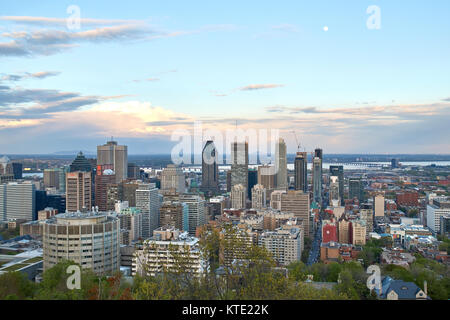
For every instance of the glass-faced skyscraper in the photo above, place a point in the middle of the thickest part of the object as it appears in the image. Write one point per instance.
(210, 169)
(239, 164)
(338, 171)
(301, 171)
(317, 175)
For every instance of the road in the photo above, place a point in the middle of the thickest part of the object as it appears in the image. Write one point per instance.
(314, 254)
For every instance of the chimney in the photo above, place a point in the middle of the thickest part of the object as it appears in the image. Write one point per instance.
(425, 287)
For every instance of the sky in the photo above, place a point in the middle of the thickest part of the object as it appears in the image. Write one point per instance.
(351, 76)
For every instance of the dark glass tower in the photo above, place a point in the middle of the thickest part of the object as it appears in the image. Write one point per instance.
(210, 169)
(338, 171)
(80, 164)
(301, 171)
(317, 175)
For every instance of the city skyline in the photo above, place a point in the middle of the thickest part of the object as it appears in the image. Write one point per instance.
(139, 72)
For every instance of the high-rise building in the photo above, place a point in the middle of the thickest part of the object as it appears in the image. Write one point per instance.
(317, 176)
(17, 201)
(78, 191)
(51, 178)
(104, 176)
(301, 171)
(329, 232)
(359, 233)
(285, 245)
(239, 165)
(81, 164)
(252, 181)
(147, 200)
(439, 207)
(275, 199)
(172, 213)
(258, 197)
(345, 231)
(281, 164)
(130, 225)
(379, 205)
(238, 196)
(134, 172)
(17, 170)
(297, 203)
(74, 236)
(172, 177)
(338, 171)
(210, 168)
(267, 177)
(117, 155)
(366, 215)
(356, 189)
(334, 192)
(197, 214)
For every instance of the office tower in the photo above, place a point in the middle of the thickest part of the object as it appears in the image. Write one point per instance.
(155, 254)
(217, 204)
(275, 199)
(117, 155)
(366, 215)
(301, 172)
(62, 178)
(439, 207)
(445, 225)
(172, 177)
(281, 164)
(258, 197)
(239, 165)
(379, 205)
(334, 192)
(17, 201)
(285, 245)
(81, 164)
(78, 191)
(356, 189)
(338, 171)
(17, 170)
(130, 225)
(228, 180)
(171, 214)
(297, 203)
(252, 181)
(210, 169)
(133, 171)
(359, 233)
(238, 196)
(104, 176)
(57, 201)
(317, 176)
(345, 231)
(6, 170)
(51, 178)
(267, 176)
(394, 163)
(40, 202)
(147, 200)
(74, 236)
(197, 214)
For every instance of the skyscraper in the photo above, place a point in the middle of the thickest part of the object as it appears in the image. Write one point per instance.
(356, 189)
(297, 203)
(196, 212)
(238, 196)
(80, 164)
(78, 191)
(17, 201)
(301, 171)
(281, 164)
(334, 193)
(338, 171)
(252, 181)
(317, 175)
(172, 177)
(210, 168)
(51, 178)
(104, 176)
(147, 200)
(239, 164)
(258, 197)
(117, 155)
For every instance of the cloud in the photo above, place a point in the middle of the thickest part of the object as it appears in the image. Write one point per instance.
(446, 99)
(47, 21)
(27, 75)
(286, 27)
(252, 87)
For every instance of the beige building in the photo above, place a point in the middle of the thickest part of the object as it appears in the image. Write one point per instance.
(281, 164)
(89, 239)
(171, 214)
(172, 177)
(130, 225)
(47, 213)
(117, 155)
(78, 191)
(359, 233)
(297, 203)
(238, 196)
(379, 205)
(275, 199)
(344, 231)
(258, 196)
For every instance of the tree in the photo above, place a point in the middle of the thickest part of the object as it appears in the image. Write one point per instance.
(15, 286)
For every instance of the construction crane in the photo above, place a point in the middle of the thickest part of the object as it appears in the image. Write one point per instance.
(298, 144)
